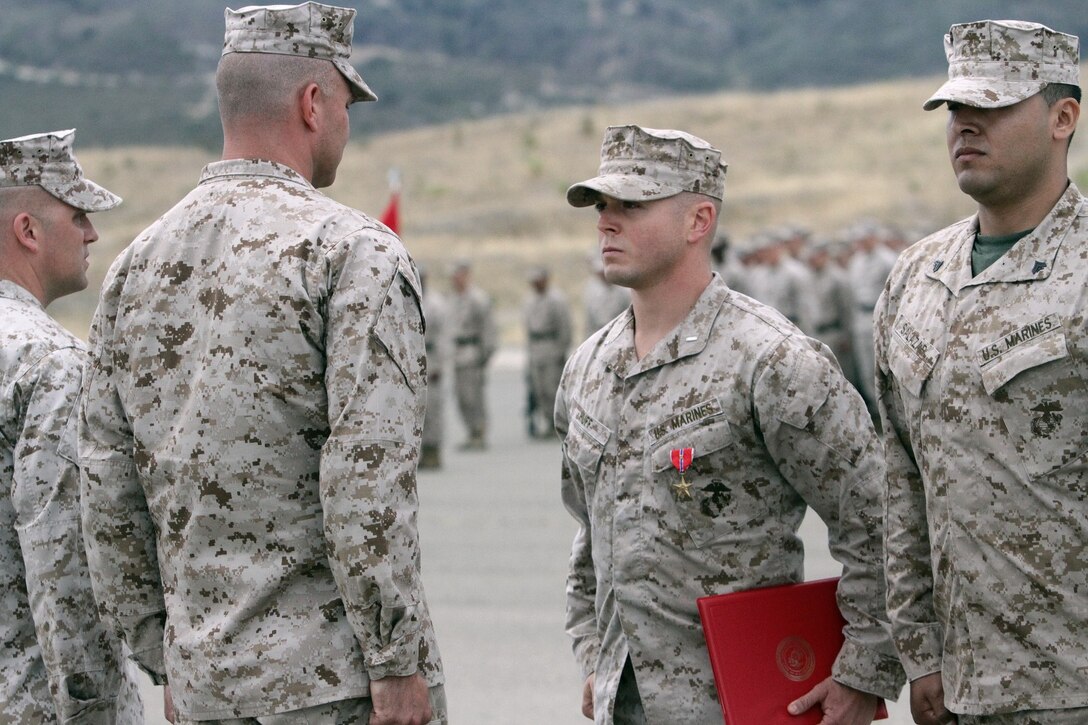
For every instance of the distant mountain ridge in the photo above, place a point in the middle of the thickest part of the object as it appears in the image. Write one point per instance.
(139, 71)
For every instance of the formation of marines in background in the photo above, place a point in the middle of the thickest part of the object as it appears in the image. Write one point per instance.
(220, 487)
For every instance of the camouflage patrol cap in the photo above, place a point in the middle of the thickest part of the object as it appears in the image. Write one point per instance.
(46, 160)
(310, 30)
(996, 63)
(643, 164)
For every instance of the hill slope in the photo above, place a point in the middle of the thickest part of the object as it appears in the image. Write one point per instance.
(493, 190)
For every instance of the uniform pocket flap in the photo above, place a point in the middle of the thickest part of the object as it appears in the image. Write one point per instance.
(1000, 369)
(909, 369)
(706, 438)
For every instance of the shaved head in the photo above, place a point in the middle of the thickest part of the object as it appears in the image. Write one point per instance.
(266, 85)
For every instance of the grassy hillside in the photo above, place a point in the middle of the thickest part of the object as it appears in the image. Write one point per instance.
(492, 190)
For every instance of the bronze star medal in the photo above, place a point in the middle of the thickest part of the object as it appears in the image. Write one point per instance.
(681, 461)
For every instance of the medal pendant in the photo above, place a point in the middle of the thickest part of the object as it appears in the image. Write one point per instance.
(682, 489)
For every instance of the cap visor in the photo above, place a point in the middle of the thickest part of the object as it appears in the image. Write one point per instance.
(622, 187)
(360, 91)
(983, 93)
(84, 194)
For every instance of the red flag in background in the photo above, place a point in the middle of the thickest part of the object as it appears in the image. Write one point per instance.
(391, 216)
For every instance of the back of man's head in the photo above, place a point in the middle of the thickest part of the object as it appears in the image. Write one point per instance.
(271, 52)
(265, 87)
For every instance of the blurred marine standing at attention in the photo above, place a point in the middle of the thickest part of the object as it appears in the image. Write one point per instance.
(548, 329)
(982, 371)
(474, 335)
(58, 663)
(252, 415)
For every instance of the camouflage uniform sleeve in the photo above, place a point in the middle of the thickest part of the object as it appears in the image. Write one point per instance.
(376, 385)
(118, 531)
(818, 431)
(581, 621)
(907, 555)
(84, 675)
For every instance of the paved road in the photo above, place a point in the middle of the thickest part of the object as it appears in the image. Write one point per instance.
(495, 540)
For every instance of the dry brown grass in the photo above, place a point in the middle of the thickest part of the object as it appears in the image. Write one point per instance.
(492, 190)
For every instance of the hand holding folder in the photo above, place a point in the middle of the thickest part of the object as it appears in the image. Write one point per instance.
(770, 646)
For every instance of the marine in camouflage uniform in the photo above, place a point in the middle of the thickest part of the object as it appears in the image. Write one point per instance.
(983, 380)
(548, 329)
(58, 662)
(436, 314)
(772, 426)
(472, 328)
(252, 413)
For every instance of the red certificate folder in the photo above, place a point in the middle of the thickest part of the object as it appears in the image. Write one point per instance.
(769, 646)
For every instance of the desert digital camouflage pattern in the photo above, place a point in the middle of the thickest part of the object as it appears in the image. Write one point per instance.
(995, 63)
(58, 663)
(310, 30)
(47, 160)
(250, 430)
(642, 164)
(774, 427)
(983, 386)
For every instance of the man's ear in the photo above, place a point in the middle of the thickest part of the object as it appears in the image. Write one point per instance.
(309, 106)
(28, 231)
(702, 218)
(1066, 115)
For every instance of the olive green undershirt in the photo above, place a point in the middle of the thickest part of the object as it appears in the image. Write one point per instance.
(988, 250)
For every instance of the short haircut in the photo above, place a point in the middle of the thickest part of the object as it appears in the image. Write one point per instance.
(1054, 92)
(265, 85)
(17, 199)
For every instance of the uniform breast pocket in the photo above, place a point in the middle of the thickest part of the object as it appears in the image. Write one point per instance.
(1040, 390)
(584, 447)
(712, 501)
(909, 368)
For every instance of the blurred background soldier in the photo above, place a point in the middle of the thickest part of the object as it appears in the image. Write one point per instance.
(251, 418)
(601, 299)
(435, 313)
(548, 331)
(869, 268)
(776, 278)
(472, 328)
(58, 663)
(825, 304)
(726, 262)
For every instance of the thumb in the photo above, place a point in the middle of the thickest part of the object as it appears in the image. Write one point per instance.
(808, 700)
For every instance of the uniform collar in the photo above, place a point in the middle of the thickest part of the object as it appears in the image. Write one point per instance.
(688, 338)
(13, 291)
(1029, 260)
(252, 167)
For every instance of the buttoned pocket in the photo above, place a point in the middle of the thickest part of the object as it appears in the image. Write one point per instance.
(909, 367)
(716, 504)
(584, 446)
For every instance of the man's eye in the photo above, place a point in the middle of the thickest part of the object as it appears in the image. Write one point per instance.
(631, 205)
(599, 206)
